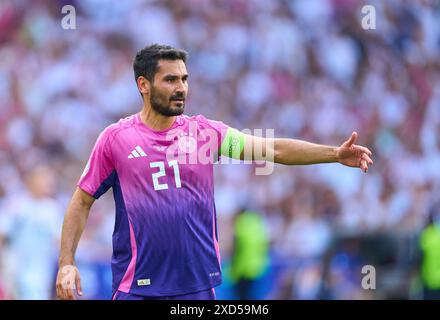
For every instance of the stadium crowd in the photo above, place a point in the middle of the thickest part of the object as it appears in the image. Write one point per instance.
(306, 69)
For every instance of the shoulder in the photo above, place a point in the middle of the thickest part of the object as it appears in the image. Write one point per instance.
(204, 122)
(114, 129)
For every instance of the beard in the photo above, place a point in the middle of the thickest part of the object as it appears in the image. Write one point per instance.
(163, 105)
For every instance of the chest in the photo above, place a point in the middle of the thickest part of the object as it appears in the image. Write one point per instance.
(163, 164)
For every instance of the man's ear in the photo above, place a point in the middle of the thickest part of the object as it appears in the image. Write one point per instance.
(144, 85)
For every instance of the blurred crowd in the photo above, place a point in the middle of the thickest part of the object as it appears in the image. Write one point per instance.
(306, 69)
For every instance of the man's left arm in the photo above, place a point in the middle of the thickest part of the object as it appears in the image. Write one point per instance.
(294, 152)
(298, 152)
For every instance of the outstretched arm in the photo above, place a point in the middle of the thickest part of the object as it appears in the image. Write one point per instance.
(73, 227)
(295, 152)
(290, 152)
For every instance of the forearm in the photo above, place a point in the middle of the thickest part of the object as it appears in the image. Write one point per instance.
(298, 152)
(74, 223)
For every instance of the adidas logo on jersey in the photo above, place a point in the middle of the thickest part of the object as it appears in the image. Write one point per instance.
(136, 153)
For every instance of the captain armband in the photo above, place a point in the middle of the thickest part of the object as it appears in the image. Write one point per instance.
(233, 144)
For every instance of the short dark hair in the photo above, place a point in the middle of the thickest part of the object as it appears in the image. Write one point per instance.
(145, 62)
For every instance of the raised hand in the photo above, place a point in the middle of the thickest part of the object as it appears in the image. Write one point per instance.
(352, 155)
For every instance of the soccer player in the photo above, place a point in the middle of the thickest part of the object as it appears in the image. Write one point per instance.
(165, 243)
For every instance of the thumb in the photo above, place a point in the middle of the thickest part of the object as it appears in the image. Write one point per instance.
(78, 284)
(351, 140)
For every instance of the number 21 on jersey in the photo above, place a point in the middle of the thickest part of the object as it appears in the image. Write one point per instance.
(161, 173)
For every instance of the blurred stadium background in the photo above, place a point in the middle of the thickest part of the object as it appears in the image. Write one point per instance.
(304, 68)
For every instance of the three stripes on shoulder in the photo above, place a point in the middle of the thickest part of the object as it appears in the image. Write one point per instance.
(136, 153)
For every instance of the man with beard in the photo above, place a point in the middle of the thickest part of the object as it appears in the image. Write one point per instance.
(165, 243)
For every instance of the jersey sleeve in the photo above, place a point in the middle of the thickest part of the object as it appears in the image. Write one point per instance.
(99, 173)
(230, 140)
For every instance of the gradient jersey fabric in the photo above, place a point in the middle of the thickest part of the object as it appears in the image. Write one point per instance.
(165, 236)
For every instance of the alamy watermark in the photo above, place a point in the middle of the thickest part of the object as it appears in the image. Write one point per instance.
(68, 22)
(369, 279)
(202, 146)
(368, 21)
(69, 273)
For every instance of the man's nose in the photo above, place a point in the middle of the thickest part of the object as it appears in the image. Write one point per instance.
(180, 87)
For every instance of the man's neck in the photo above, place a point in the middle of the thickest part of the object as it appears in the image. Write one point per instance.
(155, 120)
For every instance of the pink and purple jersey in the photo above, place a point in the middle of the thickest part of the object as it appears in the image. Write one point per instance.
(165, 236)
